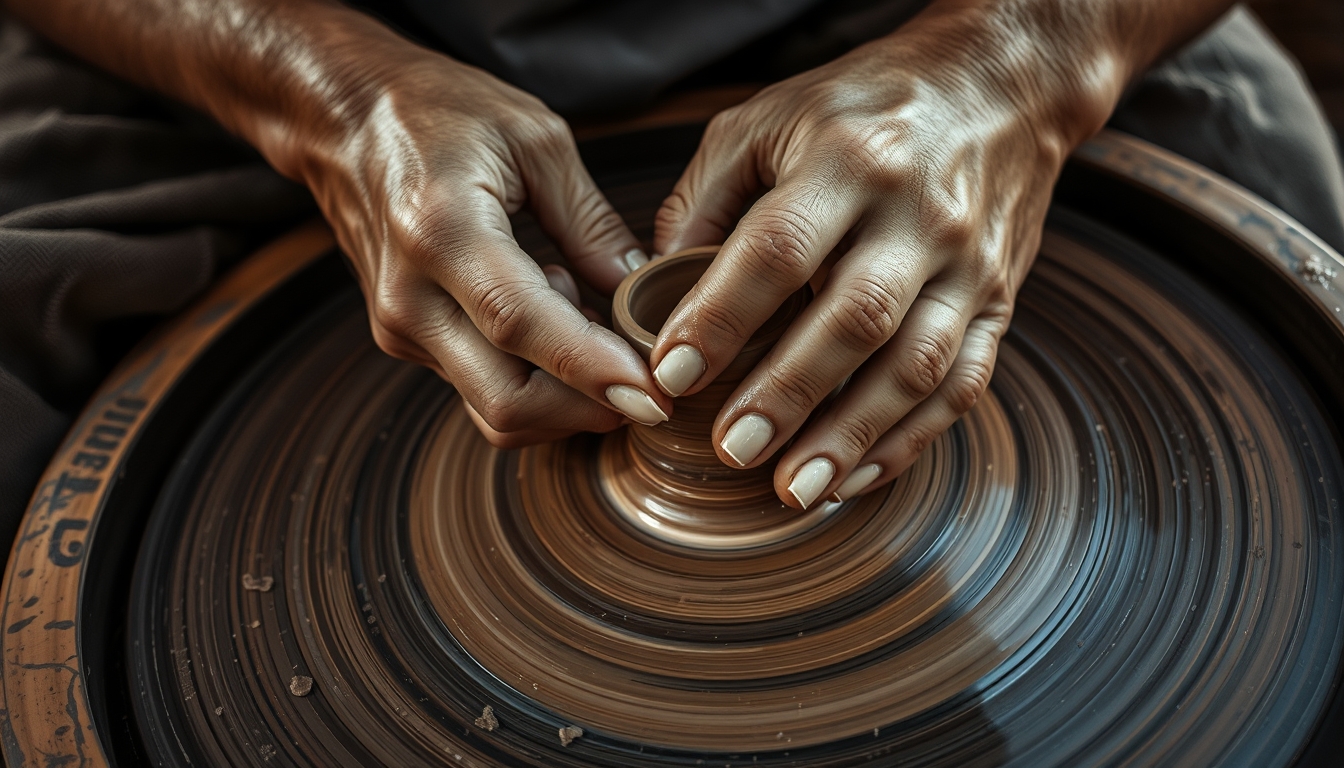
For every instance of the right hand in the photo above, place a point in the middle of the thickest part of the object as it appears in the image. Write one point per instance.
(419, 189)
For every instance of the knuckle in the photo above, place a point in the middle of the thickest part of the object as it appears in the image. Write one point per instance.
(780, 244)
(545, 130)
(723, 123)
(998, 295)
(858, 433)
(950, 226)
(916, 438)
(675, 209)
(926, 362)
(392, 311)
(501, 407)
(965, 387)
(798, 390)
(719, 322)
(501, 313)
(568, 358)
(875, 151)
(421, 240)
(865, 314)
(598, 222)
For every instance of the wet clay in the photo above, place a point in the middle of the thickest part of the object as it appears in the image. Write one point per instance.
(667, 481)
(1116, 545)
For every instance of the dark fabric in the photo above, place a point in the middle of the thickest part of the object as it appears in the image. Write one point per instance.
(1235, 101)
(115, 206)
(581, 56)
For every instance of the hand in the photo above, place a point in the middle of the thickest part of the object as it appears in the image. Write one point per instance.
(419, 192)
(917, 170)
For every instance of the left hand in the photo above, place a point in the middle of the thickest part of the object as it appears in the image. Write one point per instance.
(918, 169)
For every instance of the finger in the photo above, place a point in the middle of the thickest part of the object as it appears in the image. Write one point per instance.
(711, 191)
(906, 372)
(506, 392)
(562, 282)
(509, 440)
(968, 379)
(509, 300)
(772, 253)
(856, 313)
(574, 212)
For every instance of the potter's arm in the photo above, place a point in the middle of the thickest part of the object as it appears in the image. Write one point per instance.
(417, 161)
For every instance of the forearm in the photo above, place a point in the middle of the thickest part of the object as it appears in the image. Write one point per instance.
(276, 73)
(1070, 58)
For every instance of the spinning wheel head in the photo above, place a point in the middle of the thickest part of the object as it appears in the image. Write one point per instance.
(1127, 552)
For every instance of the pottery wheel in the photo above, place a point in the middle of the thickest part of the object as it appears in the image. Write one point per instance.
(1127, 553)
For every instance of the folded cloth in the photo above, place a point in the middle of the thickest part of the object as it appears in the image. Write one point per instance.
(116, 207)
(1236, 102)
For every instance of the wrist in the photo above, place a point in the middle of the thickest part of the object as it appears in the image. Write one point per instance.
(1052, 63)
(310, 87)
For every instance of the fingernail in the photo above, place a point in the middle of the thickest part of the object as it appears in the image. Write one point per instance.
(859, 479)
(634, 259)
(811, 479)
(635, 403)
(679, 369)
(747, 437)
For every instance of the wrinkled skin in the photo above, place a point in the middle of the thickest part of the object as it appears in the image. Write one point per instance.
(908, 180)
(926, 178)
(420, 200)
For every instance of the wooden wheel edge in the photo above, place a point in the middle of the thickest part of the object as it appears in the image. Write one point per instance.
(44, 707)
(1306, 260)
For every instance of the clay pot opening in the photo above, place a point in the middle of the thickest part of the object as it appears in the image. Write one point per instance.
(646, 299)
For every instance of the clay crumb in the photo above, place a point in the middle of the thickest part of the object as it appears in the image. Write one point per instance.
(569, 733)
(301, 685)
(219, 710)
(255, 623)
(487, 720)
(253, 584)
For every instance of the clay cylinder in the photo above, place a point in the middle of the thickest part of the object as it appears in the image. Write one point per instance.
(667, 479)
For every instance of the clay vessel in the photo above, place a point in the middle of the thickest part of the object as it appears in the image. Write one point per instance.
(667, 480)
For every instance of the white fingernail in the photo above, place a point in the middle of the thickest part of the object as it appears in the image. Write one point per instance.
(811, 479)
(747, 437)
(679, 369)
(634, 259)
(635, 403)
(859, 479)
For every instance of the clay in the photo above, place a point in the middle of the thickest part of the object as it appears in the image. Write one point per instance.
(569, 733)
(254, 584)
(487, 720)
(1097, 565)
